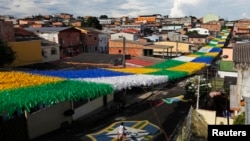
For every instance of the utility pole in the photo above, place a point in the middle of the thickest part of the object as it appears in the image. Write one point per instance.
(198, 93)
(124, 53)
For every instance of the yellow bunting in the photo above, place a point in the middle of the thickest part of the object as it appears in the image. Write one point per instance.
(17, 79)
(190, 67)
(136, 70)
(213, 54)
(193, 55)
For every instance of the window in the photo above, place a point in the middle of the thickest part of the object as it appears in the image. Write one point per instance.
(44, 54)
(95, 38)
(53, 51)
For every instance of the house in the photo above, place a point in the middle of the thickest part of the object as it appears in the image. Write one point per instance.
(90, 39)
(67, 37)
(214, 27)
(186, 21)
(198, 39)
(178, 48)
(108, 21)
(241, 61)
(50, 50)
(210, 17)
(172, 27)
(201, 31)
(242, 28)
(128, 36)
(137, 48)
(154, 38)
(149, 19)
(6, 31)
(27, 52)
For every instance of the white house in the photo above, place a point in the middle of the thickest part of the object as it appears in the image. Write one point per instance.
(50, 51)
(201, 31)
(102, 42)
(128, 36)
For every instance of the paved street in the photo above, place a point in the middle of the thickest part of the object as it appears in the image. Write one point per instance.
(151, 108)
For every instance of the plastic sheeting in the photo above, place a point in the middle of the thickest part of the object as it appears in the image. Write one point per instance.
(184, 58)
(127, 82)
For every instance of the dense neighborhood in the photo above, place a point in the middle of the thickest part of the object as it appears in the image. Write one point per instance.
(64, 68)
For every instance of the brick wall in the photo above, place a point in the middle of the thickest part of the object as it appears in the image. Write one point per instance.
(7, 31)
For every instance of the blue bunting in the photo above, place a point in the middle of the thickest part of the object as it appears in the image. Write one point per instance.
(89, 73)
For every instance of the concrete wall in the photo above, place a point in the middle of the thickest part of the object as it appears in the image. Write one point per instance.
(90, 107)
(47, 120)
(48, 57)
(133, 49)
(27, 52)
(177, 46)
(229, 53)
(209, 116)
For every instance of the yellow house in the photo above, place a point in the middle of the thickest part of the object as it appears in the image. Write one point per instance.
(27, 52)
(178, 47)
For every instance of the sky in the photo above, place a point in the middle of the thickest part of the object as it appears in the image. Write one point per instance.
(227, 9)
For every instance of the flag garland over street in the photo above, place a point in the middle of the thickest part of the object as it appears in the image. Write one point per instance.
(23, 90)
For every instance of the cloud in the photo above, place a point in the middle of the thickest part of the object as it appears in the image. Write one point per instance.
(132, 8)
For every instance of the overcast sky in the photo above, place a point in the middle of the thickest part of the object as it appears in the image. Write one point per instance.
(227, 9)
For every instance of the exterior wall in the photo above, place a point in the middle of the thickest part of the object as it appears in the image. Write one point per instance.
(90, 107)
(47, 56)
(197, 40)
(247, 114)
(70, 37)
(133, 49)
(212, 26)
(52, 36)
(171, 27)
(128, 36)
(222, 74)
(210, 17)
(177, 46)
(28, 52)
(149, 19)
(241, 27)
(106, 21)
(103, 43)
(208, 115)
(223, 121)
(78, 24)
(245, 91)
(21, 22)
(229, 53)
(201, 31)
(47, 120)
(7, 31)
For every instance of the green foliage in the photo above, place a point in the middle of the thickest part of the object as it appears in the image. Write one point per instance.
(103, 17)
(192, 33)
(192, 84)
(7, 55)
(240, 119)
(91, 22)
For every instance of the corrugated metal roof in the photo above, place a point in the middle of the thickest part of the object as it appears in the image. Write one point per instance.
(241, 53)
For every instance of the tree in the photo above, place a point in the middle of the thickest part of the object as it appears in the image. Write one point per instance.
(190, 33)
(197, 85)
(92, 22)
(103, 17)
(240, 119)
(7, 55)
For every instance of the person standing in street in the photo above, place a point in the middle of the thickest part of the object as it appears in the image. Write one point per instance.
(121, 132)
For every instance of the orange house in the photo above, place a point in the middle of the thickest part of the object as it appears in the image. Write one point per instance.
(147, 18)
